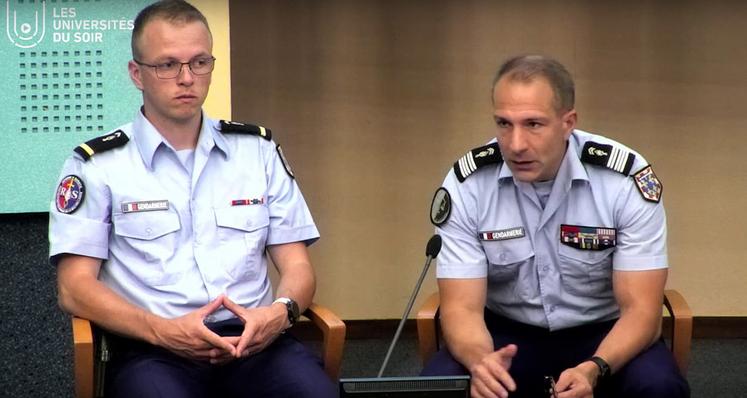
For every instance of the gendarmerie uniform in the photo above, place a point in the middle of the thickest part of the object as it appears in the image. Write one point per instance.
(176, 229)
(548, 249)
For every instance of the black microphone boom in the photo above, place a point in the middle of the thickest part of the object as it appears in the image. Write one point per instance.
(431, 251)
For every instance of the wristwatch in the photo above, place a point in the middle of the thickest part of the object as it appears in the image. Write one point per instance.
(292, 307)
(604, 367)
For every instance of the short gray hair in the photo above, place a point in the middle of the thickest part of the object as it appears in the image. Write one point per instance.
(525, 68)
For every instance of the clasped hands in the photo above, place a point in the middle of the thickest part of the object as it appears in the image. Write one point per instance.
(187, 336)
(490, 377)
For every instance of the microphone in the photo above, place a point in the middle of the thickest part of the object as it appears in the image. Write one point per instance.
(431, 251)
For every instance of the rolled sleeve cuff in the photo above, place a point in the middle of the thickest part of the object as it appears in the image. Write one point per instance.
(640, 263)
(307, 234)
(75, 235)
(461, 271)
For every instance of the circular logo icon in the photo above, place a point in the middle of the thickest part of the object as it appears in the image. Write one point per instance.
(441, 206)
(70, 194)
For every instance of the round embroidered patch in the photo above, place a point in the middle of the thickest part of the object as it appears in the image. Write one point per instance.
(70, 194)
(440, 207)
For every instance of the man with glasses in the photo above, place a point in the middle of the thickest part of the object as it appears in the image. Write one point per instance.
(554, 255)
(159, 230)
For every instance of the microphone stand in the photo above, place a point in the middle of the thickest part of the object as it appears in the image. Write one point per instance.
(432, 249)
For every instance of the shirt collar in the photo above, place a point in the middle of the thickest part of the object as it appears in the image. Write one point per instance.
(570, 169)
(148, 139)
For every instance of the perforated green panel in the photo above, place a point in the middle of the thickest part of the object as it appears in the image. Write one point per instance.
(64, 81)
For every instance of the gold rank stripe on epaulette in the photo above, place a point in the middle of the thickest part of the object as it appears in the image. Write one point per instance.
(101, 144)
(476, 158)
(227, 126)
(609, 156)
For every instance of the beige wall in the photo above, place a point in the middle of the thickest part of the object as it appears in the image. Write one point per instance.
(218, 103)
(374, 100)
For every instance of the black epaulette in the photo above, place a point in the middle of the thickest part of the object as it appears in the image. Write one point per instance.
(101, 144)
(610, 156)
(227, 126)
(476, 158)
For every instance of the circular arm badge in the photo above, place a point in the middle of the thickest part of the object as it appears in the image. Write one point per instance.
(70, 194)
(440, 207)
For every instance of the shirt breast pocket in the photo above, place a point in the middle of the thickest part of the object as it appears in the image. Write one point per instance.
(506, 258)
(585, 272)
(152, 236)
(242, 233)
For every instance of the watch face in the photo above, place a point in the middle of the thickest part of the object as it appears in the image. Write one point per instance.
(293, 311)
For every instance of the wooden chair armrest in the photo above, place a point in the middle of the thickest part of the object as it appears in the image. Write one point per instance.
(83, 357)
(682, 327)
(333, 337)
(427, 326)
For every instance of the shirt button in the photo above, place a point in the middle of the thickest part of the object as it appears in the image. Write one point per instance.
(502, 256)
(552, 308)
(545, 268)
(148, 231)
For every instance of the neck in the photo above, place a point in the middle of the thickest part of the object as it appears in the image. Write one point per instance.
(181, 134)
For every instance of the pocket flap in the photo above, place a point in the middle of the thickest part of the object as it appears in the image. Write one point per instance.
(582, 255)
(244, 218)
(147, 225)
(508, 251)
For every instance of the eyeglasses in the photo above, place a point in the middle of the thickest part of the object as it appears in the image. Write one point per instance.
(172, 69)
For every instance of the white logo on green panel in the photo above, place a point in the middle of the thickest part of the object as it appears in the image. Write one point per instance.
(21, 32)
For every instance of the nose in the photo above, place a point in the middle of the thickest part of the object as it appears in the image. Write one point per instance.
(515, 141)
(185, 75)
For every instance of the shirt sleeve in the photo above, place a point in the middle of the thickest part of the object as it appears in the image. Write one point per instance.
(462, 255)
(85, 230)
(641, 232)
(290, 218)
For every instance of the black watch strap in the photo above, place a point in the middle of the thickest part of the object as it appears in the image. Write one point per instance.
(292, 307)
(604, 367)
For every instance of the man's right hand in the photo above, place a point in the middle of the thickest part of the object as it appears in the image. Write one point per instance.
(188, 337)
(490, 376)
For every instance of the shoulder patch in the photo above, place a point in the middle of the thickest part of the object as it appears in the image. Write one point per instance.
(609, 156)
(440, 207)
(648, 184)
(70, 194)
(227, 126)
(101, 144)
(285, 163)
(476, 158)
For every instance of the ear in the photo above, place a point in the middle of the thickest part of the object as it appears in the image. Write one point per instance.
(569, 122)
(134, 69)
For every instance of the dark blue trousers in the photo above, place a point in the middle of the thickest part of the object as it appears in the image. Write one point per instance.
(653, 373)
(286, 368)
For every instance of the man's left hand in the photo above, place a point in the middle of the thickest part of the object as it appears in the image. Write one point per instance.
(262, 325)
(578, 382)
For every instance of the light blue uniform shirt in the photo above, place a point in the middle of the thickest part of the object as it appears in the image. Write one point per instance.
(196, 245)
(534, 278)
